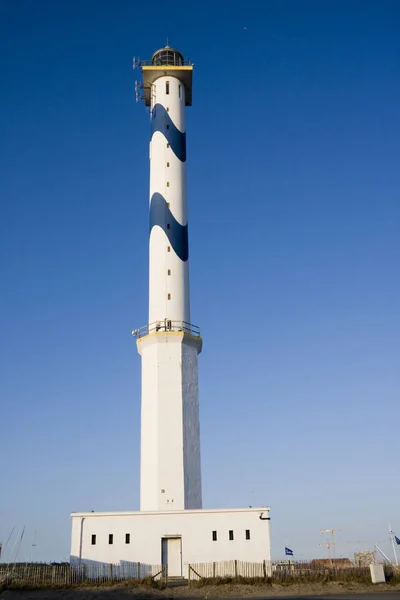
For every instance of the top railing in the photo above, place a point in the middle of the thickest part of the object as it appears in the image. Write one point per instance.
(137, 63)
(167, 325)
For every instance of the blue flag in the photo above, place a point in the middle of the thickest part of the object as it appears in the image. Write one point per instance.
(397, 540)
(289, 552)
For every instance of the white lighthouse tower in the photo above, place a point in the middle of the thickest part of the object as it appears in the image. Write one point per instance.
(170, 475)
(171, 530)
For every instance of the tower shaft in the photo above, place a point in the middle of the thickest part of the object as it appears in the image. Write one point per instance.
(168, 261)
(169, 345)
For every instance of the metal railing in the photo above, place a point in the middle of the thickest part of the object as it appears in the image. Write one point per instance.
(167, 325)
(136, 63)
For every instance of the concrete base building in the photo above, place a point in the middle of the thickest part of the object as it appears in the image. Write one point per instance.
(171, 527)
(173, 538)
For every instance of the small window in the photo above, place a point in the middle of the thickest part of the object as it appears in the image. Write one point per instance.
(247, 534)
(179, 91)
(110, 538)
(169, 249)
(127, 538)
(169, 271)
(167, 108)
(231, 535)
(167, 183)
(168, 204)
(214, 536)
(167, 164)
(168, 226)
(93, 539)
(167, 126)
(169, 296)
(167, 145)
(167, 87)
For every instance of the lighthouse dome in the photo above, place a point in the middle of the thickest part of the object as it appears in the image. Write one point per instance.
(167, 56)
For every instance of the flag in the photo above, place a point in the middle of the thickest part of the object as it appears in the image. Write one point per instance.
(289, 552)
(397, 540)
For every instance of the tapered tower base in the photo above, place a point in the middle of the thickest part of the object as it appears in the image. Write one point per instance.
(170, 472)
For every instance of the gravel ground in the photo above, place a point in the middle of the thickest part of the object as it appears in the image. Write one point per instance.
(122, 592)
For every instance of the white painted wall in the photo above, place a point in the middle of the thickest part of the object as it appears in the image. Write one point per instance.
(170, 473)
(193, 527)
(160, 284)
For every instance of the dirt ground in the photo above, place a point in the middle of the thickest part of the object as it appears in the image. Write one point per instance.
(123, 592)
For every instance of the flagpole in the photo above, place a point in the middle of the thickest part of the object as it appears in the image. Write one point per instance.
(393, 546)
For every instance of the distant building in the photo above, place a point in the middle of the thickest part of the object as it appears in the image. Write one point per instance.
(364, 559)
(329, 563)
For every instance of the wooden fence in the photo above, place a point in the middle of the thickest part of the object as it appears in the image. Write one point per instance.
(290, 572)
(230, 568)
(65, 575)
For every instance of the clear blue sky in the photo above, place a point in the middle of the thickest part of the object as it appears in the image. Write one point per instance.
(294, 206)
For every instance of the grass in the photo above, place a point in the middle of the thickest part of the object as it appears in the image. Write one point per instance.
(204, 581)
(287, 579)
(147, 582)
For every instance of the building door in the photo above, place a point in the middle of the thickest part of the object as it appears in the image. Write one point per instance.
(171, 555)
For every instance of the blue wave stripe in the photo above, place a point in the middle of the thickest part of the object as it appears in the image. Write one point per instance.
(177, 234)
(177, 140)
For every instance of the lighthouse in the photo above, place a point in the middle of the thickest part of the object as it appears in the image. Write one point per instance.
(170, 472)
(171, 531)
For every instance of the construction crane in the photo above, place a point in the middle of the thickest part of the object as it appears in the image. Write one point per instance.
(332, 544)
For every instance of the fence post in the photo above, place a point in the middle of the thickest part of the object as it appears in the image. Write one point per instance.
(138, 570)
(264, 569)
(166, 574)
(213, 571)
(111, 571)
(189, 574)
(236, 569)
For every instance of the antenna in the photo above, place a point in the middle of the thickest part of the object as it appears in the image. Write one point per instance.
(139, 91)
(136, 62)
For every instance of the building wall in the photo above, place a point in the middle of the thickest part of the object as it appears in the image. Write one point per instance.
(195, 528)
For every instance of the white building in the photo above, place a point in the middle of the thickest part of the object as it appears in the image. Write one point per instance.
(170, 528)
(176, 538)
